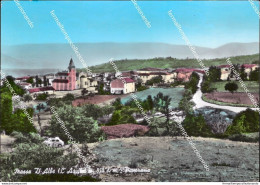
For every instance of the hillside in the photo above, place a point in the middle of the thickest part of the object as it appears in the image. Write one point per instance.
(125, 65)
(173, 159)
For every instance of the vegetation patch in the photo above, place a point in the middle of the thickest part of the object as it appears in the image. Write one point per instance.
(124, 130)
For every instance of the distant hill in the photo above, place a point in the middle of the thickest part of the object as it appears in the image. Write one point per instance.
(38, 56)
(125, 65)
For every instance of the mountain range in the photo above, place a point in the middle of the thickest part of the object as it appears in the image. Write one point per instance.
(57, 56)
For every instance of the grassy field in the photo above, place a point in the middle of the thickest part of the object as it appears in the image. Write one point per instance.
(252, 86)
(125, 65)
(225, 103)
(173, 160)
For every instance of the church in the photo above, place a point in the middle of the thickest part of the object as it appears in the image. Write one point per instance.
(66, 80)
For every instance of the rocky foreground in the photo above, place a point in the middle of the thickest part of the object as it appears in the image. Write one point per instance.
(173, 159)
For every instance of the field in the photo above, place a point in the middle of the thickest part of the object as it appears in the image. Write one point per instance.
(252, 86)
(174, 93)
(173, 159)
(97, 99)
(125, 65)
(239, 98)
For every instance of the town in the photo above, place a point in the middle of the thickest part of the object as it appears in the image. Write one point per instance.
(129, 91)
(103, 109)
(108, 83)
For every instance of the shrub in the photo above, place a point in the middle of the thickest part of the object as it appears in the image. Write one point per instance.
(33, 154)
(155, 80)
(27, 97)
(42, 96)
(68, 97)
(245, 122)
(244, 138)
(124, 130)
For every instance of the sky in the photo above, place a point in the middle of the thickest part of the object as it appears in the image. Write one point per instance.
(205, 23)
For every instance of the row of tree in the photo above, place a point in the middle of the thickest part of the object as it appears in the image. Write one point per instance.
(13, 120)
(38, 82)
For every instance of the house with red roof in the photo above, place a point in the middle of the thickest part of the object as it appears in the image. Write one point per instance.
(122, 86)
(226, 70)
(166, 76)
(183, 74)
(48, 89)
(21, 79)
(25, 85)
(66, 80)
(249, 68)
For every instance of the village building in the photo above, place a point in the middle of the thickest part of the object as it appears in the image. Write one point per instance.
(183, 74)
(225, 71)
(249, 68)
(66, 80)
(88, 83)
(25, 85)
(122, 86)
(150, 69)
(21, 79)
(49, 90)
(49, 78)
(166, 77)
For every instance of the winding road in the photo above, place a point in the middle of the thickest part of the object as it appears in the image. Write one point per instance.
(199, 102)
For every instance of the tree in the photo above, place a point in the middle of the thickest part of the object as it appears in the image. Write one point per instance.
(37, 81)
(6, 110)
(84, 92)
(16, 88)
(214, 74)
(243, 74)
(245, 122)
(13, 121)
(193, 82)
(20, 121)
(117, 104)
(42, 96)
(186, 104)
(162, 103)
(155, 80)
(149, 101)
(45, 82)
(27, 98)
(196, 126)
(254, 75)
(116, 117)
(231, 87)
(106, 110)
(30, 80)
(157, 101)
(80, 127)
(94, 111)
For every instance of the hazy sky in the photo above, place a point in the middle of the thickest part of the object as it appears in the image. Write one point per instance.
(208, 24)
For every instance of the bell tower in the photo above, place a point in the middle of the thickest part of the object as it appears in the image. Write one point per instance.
(72, 75)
